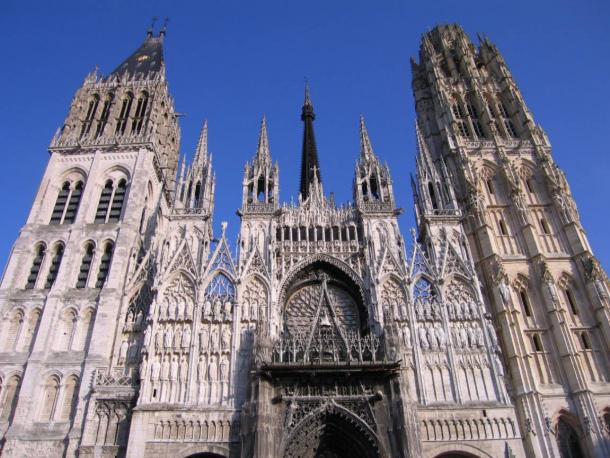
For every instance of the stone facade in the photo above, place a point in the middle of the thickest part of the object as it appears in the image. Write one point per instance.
(130, 330)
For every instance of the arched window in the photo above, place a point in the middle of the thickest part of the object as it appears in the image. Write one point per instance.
(140, 114)
(101, 125)
(489, 184)
(529, 184)
(584, 340)
(567, 440)
(104, 265)
(66, 205)
(104, 203)
(58, 254)
(197, 195)
(124, 114)
(60, 204)
(117, 202)
(110, 206)
(11, 392)
(474, 117)
(85, 266)
(69, 398)
(13, 331)
(66, 330)
(73, 203)
(525, 302)
(544, 226)
(537, 343)
(31, 328)
(39, 253)
(84, 332)
(49, 398)
(502, 225)
(432, 196)
(570, 300)
(90, 115)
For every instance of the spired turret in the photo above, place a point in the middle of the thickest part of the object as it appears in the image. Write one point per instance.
(261, 178)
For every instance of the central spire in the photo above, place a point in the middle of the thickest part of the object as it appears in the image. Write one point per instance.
(310, 167)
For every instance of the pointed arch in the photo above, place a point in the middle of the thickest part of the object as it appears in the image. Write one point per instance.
(333, 428)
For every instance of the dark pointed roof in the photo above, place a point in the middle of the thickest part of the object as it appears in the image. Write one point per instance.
(146, 60)
(310, 167)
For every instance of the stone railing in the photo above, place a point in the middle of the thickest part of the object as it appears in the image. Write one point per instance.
(115, 377)
(325, 346)
(377, 207)
(259, 207)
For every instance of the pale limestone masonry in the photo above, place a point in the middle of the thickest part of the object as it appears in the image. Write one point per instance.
(129, 330)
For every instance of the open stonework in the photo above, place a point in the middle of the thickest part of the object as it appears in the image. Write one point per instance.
(130, 329)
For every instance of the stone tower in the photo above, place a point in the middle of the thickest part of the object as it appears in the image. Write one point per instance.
(485, 168)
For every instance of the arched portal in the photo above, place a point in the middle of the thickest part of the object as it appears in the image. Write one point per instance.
(331, 433)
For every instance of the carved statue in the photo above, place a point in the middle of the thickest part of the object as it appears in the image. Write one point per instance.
(143, 368)
(173, 370)
(431, 338)
(491, 332)
(423, 341)
(186, 337)
(227, 311)
(440, 336)
(226, 338)
(214, 338)
(155, 370)
(201, 366)
(167, 338)
(177, 337)
(180, 310)
(207, 309)
(184, 370)
(147, 336)
(217, 310)
(123, 350)
(213, 369)
(224, 368)
(204, 339)
(165, 369)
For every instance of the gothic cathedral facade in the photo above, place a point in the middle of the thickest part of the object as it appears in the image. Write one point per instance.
(130, 329)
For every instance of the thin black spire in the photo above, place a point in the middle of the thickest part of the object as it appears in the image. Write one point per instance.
(310, 167)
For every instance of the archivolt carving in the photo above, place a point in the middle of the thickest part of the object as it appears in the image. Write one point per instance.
(393, 299)
(330, 428)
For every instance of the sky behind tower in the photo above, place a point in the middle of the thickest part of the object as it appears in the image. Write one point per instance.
(231, 62)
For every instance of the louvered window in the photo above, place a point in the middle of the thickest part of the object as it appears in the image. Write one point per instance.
(73, 203)
(124, 114)
(90, 116)
(54, 267)
(104, 265)
(36, 265)
(60, 203)
(101, 125)
(104, 203)
(117, 202)
(138, 119)
(85, 267)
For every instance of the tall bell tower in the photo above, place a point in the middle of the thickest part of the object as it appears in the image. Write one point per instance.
(80, 260)
(497, 180)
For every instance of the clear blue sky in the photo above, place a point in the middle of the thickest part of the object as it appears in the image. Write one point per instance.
(230, 62)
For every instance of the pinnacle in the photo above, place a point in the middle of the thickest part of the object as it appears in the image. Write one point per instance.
(201, 154)
(262, 152)
(366, 149)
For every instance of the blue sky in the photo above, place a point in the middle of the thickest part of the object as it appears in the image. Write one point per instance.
(231, 62)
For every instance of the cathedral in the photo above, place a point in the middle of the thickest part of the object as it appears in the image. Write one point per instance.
(130, 329)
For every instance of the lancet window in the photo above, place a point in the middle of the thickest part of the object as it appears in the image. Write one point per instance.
(90, 115)
(10, 391)
(58, 253)
(49, 399)
(105, 261)
(112, 198)
(105, 115)
(85, 267)
(140, 114)
(66, 205)
(39, 254)
(124, 113)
